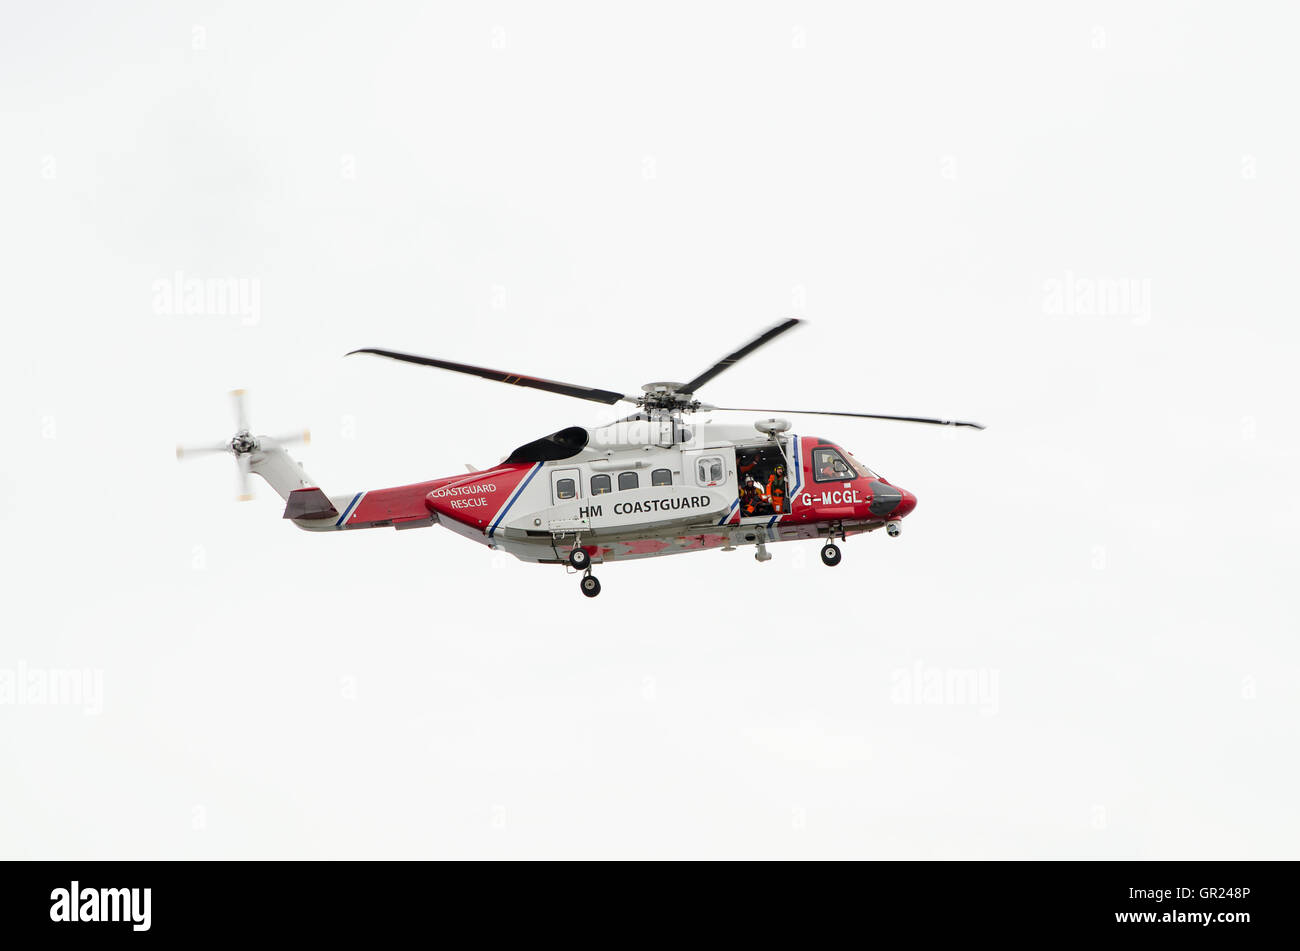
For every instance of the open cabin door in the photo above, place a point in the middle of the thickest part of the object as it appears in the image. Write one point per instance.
(766, 475)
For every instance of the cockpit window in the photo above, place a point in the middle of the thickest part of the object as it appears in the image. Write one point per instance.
(857, 464)
(830, 466)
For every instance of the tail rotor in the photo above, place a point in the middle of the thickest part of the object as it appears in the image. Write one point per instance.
(242, 445)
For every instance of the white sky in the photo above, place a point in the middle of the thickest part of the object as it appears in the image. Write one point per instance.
(613, 196)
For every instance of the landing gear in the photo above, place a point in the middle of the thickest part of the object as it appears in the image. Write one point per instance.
(580, 560)
(762, 554)
(894, 529)
(590, 586)
(830, 554)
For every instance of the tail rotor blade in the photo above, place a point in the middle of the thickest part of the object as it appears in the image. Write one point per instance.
(302, 436)
(245, 491)
(189, 452)
(240, 400)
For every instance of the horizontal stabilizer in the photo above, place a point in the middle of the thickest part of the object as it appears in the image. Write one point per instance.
(309, 503)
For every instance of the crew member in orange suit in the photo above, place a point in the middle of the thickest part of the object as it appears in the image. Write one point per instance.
(776, 489)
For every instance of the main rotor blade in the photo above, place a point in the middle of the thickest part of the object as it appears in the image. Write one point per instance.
(536, 383)
(826, 412)
(732, 359)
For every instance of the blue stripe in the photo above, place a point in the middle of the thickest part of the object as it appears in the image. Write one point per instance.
(727, 517)
(772, 520)
(518, 492)
(347, 511)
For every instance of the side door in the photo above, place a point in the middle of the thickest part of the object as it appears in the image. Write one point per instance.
(566, 485)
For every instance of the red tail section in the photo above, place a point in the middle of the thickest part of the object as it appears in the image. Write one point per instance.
(480, 499)
(474, 499)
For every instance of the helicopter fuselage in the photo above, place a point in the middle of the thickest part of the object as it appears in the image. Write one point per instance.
(641, 488)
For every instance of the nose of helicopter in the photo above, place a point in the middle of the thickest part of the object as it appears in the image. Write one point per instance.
(905, 505)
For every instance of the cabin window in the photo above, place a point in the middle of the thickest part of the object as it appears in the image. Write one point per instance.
(565, 488)
(661, 477)
(829, 466)
(627, 480)
(600, 484)
(709, 470)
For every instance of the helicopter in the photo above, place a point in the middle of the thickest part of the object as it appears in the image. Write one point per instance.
(649, 484)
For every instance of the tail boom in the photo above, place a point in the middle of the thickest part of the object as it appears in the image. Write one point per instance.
(469, 503)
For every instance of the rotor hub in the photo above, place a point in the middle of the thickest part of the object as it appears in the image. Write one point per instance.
(661, 389)
(667, 398)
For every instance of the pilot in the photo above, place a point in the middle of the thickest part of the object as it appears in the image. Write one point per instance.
(828, 467)
(776, 489)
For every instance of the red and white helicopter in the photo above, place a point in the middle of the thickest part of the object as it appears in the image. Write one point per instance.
(649, 484)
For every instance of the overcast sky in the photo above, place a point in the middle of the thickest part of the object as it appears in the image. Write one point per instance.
(1077, 226)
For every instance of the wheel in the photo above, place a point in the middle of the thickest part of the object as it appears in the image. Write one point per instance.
(590, 586)
(893, 529)
(579, 559)
(830, 554)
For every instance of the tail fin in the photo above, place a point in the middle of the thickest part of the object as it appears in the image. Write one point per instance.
(309, 504)
(305, 503)
(281, 472)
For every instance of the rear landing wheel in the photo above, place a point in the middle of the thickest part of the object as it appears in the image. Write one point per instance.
(590, 586)
(830, 554)
(580, 560)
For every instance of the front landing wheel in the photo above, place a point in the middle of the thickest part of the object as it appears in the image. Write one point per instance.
(830, 554)
(590, 586)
